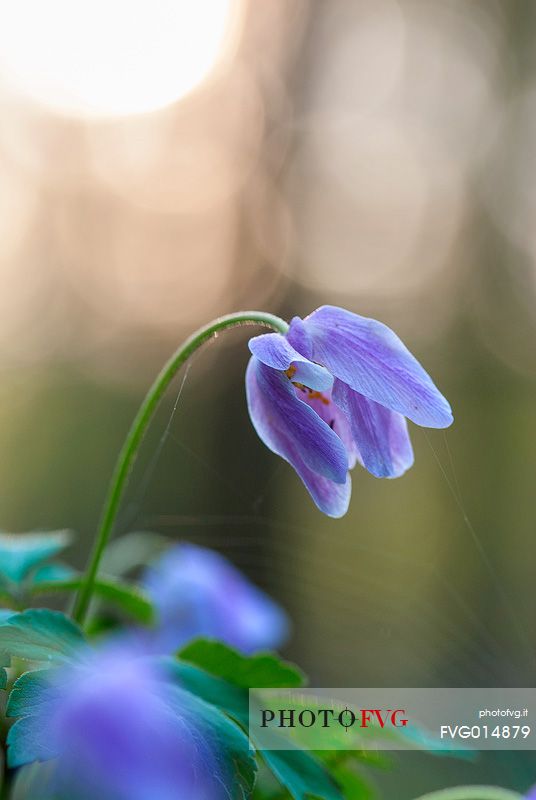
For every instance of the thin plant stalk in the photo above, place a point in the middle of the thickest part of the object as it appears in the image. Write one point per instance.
(137, 430)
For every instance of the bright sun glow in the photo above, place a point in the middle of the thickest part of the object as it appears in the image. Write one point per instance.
(110, 57)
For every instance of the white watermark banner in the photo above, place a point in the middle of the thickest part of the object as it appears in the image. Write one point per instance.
(393, 719)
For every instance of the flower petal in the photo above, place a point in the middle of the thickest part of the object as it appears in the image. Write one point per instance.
(371, 359)
(381, 435)
(299, 338)
(335, 417)
(197, 592)
(331, 498)
(289, 427)
(275, 351)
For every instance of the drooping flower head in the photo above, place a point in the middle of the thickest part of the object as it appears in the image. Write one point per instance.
(118, 730)
(197, 592)
(336, 389)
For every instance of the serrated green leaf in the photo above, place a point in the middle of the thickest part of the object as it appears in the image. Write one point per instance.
(24, 698)
(234, 700)
(29, 737)
(39, 634)
(127, 596)
(19, 552)
(302, 774)
(299, 771)
(26, 742)
(229, 743)
(262, 670)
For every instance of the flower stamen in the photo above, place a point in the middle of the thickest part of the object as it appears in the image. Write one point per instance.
(317, 396)
(290, 371)
(313, 395)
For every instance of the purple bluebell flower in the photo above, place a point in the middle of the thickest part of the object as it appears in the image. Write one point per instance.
(532, 794)
(336, 389)
(119, 730)
(197, 592)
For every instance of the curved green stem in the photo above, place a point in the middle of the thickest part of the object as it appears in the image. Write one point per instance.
(472, 793)
(137, 430)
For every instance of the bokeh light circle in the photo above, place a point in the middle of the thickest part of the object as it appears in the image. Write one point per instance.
(110, 57)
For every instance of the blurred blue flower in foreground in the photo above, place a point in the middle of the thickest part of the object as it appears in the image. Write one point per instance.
(337, 389)
(197, 592)
(118, 730)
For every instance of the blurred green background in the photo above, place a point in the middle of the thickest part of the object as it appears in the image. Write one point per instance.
(378, 155)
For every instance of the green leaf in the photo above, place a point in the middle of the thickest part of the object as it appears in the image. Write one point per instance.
(263, 670)
(353, 785)
(25, 694)
(27, 741)
(19, 552)
(299, 771)
(29, 737)
(333, 759)
(54, 571)
(363, 743)
(127, 596)
(39, 634)
(302, 774)
(236, 758)
(233, 700)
